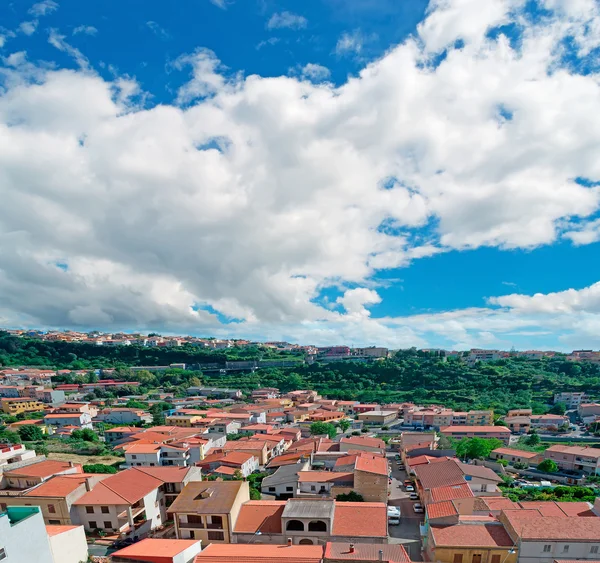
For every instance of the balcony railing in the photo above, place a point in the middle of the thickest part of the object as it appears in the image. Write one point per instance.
(191, 525)
(214, 526)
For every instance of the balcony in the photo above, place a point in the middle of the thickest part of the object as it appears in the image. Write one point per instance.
(196, 525)
(135, 511)
(214, 526)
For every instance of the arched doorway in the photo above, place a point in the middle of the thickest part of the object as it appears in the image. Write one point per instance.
(317, 526)
(305, 542)
(295, 526)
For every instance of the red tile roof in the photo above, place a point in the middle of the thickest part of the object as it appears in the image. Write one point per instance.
(58, 486)
(364, 441)
(515, 453)
(166, 474)
(440, 474)
(360, 519)
(476, 429)
(154, 550)
(377, 465)
(324, 476)
(125, 487)
(471, 535)
(451, 492)
(552, 528)
(263, 516)
(500, 503)
(366, 552)
(441, 509)
(55, 530)
(225, 553)
(44, 469)
(224, 470)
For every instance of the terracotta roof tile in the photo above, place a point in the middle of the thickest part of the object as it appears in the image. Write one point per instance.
(43, 469)
(471, 535)
(364, 441)
(515, 453)
(56, 487)
(366, 552)
(476, 429)
(553, 528)
(360, 519)
(55, 530)
(451, 492)
(441, 509)
(439, 474)
(324, 477)
(263, 516)
(225, 553)
(377, 465)
(152, 550)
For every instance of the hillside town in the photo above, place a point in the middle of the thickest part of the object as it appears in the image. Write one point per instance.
(224, 475)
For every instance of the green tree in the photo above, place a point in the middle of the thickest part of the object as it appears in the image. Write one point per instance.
(477, 448)
(133, 404)
(533, 439)
(558, 408)
(548, 466)
(344, 424)
(31, 433)
(99, 468)
(85, 434)
(352, 496)
(7, 436)
(319, 428)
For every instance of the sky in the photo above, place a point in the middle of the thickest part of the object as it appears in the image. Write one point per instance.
(375, 172)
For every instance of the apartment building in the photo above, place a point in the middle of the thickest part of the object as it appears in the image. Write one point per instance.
(120, 434)
(575, 458)
(61, 420)
(571, 399)
(549, 421)
(23, 404)
(124, 416)
(589, 411)
(378, 418)
(457, 432)
(516, 456)
(33, 474)
(208, 510)
(362, 443)
(245, 463)
(14, 453)
(480, 418)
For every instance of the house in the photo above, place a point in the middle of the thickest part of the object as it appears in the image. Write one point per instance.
(223, 553)
(78, 407)
(516, 456)
(283, 484)
(543, 539)
(17, 406)
(55, 496)
(336, 552)
(311, 522)
(13, 453)
(120, 434)
(572, 400)
(457, 432)
(208, 510)
(549, 421)
(378, 418)
(23, 536)
(59, 421)
(471, 543)
(68, 544)
(361, 408)
(259, 428)
(363, 443)
(158, 551)
(132, 502)
(142, 454)
(244, 462)
(588, 411)
(259, 449)
(50, 396)
(124, 416)
(33, 474)
(324, 483)
(518, 424)
(575, 458)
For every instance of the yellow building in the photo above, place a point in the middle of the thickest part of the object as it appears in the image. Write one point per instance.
(480, 418)
(24, 404)
(182, 420)
(471, 543)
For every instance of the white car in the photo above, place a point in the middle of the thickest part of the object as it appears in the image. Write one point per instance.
(410, 488)
(413, 496)
(417, 507)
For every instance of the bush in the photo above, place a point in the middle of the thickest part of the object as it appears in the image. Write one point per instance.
(548, 466)
(364, 430)
(352, 496)
(356, 433)
(520, 465)
(99, 468)
(502, 462)
(31, 433)
(255, 494)
(385, 427)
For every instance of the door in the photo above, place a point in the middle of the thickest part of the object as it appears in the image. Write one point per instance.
(476, 558)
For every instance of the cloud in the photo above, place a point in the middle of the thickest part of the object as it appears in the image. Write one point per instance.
(350, 43)
(58, 41)
(315, 72)
(5, 35)
(43, 8)
(219, 3)
(85, 30)
(256, 196)
(159, 31)
(287, 19)
(29, 27)
(271, 41)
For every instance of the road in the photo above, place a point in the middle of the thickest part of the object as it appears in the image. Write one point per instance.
(407, 533)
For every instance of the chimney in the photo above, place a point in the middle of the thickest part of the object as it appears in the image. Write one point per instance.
(289, 542)
(70, 464)
(88, 487)
(351, 548)
(381, 555)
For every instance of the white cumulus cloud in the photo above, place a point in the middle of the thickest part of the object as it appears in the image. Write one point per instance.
(286, 19)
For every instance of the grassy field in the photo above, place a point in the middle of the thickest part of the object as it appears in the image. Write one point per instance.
(85, 459)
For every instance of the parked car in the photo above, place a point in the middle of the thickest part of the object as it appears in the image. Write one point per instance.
(120, 544)
(407, 482)
(413, 496)
(417, 507)
(409, 488)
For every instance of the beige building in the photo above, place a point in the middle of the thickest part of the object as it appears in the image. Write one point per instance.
(16, 406)
(516, 456)
(378, 417)
(208, 510)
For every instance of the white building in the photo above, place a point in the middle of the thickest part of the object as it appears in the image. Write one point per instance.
(572, 400)
(124, 416)
(68, 544)
(23, 536)
(81, 420)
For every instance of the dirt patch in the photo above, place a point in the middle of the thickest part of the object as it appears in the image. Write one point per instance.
(85, 459)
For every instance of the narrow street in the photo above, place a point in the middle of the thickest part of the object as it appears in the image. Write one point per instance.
(407, 533)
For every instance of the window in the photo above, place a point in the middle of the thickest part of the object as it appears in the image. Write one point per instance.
(133, 457)
(495, 559)
(565, 549)
(484, 488)
(289, 489)
(51, 509)
(313, 488)
(547, 548)
(108, 525)
(89, 510)
(54, 522)
(458, 558)
(216, 536)
(594, 549)
(216, 522)
(2, 554)
(192, 535)
(104, 509)
(93, 525)
(272, 489)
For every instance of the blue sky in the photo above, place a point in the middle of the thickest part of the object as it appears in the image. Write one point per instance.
(397, 172)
